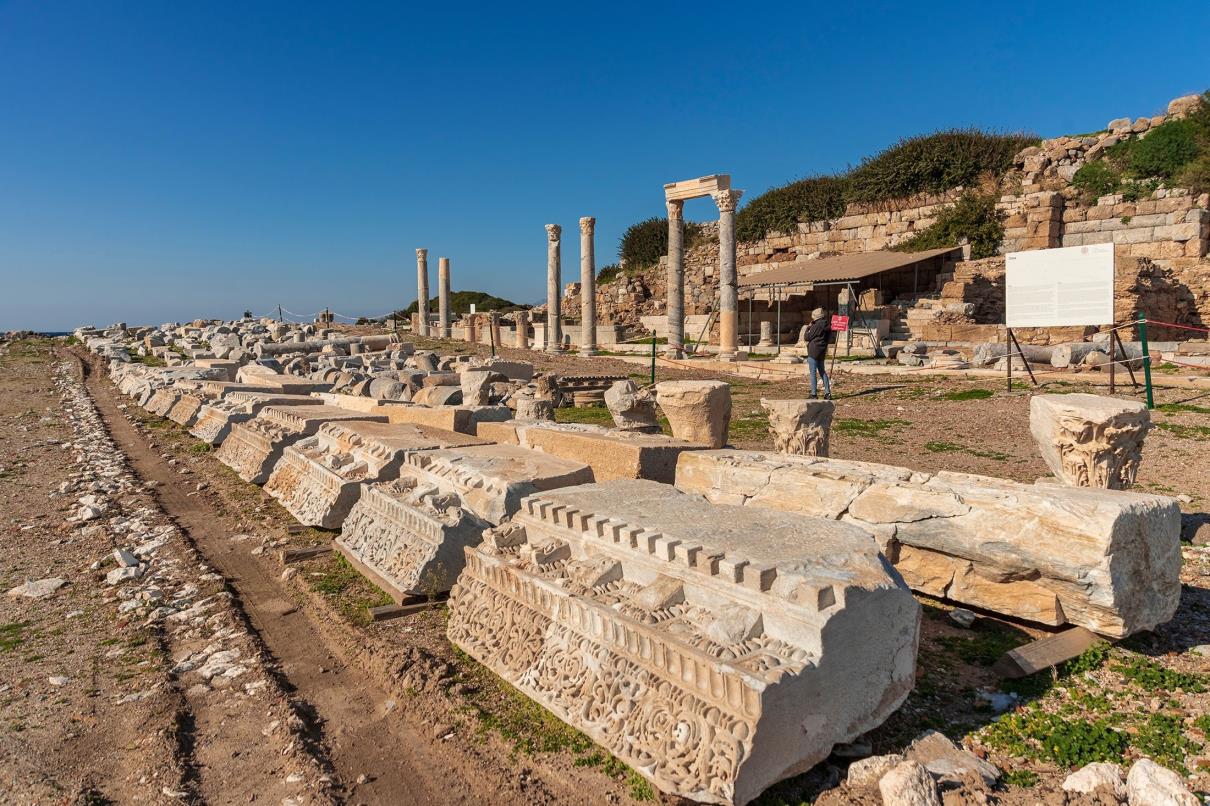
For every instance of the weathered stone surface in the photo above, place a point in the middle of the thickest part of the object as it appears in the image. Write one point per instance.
(869, 771)
(1096, 776)
(1149, 784)
(1105, 560)
(476, 387)
(320, 478)
(611, 454)
(462, 419)
(408, 535)
(214, 420)
(947, 762)
(697, 411)
(255, 446)
(1090, 440)
(908, 784)
(438, 395)
(800, 427)
(633, 409)
(532, 407)
(715, 649)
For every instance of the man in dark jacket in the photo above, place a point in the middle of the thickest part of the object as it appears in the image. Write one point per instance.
(817, 350)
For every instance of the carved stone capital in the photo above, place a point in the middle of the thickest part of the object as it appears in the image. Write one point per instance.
(727, 200)
(422, 254)
(676, 209)
(554, 232)
(587, 225)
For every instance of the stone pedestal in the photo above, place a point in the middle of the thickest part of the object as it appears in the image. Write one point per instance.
(443, 297)
(588, 288)
(800, 426)
(697, 411)
(554, 289)
(676, 280)
(522, 330)
(422, 290)
(766, 335)
(728, 289)
(1090, 440)
(632, 409)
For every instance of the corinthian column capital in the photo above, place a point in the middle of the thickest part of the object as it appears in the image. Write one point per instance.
(422, 254)
(554, 232)
(676, 209)
(727, 200)
(587, 224)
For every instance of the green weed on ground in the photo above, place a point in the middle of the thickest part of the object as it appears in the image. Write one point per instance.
(953, 447)
(593, 415)
(12, 635)
(352, 593)
(969, 394)
(881, 430)
(751, 426)
(1182, 408)
(1198, 432)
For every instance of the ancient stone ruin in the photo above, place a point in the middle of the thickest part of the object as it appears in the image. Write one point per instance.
(715, 649)
(800, 427)
(697, 411)
(1090, 440)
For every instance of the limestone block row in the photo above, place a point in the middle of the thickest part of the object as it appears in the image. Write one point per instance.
(320, 478)
(215, 419)
(715, 649)
(408, 535)
(1106, 560)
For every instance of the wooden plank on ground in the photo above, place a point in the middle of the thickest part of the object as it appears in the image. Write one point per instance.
(288, 556)
(387, 612)
(1045, 652)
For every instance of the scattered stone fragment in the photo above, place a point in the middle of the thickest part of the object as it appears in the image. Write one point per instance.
(908, 784)
(697, 411)
(869, 771)
(962, 617)
(1095, 776)
(1149, 784)
(1090, 440)
(632, 409)
(57, 680)
(947, 761)
(124, 558)
(38, 589)
(800, 426)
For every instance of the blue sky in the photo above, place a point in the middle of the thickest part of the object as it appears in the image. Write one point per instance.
(162, 161)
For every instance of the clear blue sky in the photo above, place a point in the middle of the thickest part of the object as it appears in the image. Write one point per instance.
(165, 160)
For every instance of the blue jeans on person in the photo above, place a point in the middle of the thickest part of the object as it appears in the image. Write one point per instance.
(816, 365)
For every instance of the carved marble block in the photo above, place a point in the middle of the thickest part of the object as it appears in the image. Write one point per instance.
(214, 420)
(164, 399)
(320, 478)
(715, 649)
(1090, 440)
(408, 535)
(1105, 560)
(800, 427)
(633, 409)
(254, 447)
(612, 454)
(462, 419)
(531, 407)
(697, 411)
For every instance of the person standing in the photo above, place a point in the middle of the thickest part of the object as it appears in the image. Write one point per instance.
(817, 351)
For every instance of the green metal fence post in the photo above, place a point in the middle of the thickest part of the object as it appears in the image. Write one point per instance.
(653, 358)
(1146, 361)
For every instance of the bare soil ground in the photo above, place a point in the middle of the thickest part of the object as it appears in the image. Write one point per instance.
(391, 712)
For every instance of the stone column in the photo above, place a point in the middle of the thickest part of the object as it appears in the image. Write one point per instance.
(676, 280)
(472, 328)
(522, 330)
(443, 297)
(493, 319)
(422, 290)
(554, 289)
(766, 334)
(728, 281)
(588, 288)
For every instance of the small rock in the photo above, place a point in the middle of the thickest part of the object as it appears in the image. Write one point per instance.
(948, 761)
(57, 680)
(288, 573)
(1201, 649)
(1094, 776)
(962, 617)
(119, 575)
(363, 779)
(1149, 784)
(998, 700)
(124, 558)
(38, 589)
(295, 778)
(869, 771)
(908, 784)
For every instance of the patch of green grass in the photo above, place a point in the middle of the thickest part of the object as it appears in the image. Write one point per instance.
(1019, 779)
(969, 394)
(953, 447)
(1036, 685)
(1150, 676)
(752, 426)
(12, 635)
(201, 447)
(1180, 408)
(1063, 740)
(594, 415)
(352, 593)
(870, 429)
(1198, 432)
(1202, 723)
(1162, 739)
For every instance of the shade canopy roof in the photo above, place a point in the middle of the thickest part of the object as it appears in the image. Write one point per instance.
(842, 267)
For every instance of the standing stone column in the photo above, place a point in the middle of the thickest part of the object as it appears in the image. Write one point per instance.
(422, 290)
(588, 287)
(493, 319)
(522, 342)
(728, 281)
(676, 280)
(472, 328)
(443, 297)
(554, 328)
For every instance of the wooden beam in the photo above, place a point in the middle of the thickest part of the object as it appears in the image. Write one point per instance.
(1045, 653)
(290, 556)
(393, 611)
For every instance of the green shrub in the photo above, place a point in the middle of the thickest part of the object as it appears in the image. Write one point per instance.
(813, 199)
(644, 243)
(1096, 179)
(934, 163)
(607, 273)
(1196, 175)
(1163, 152)
(973, 217)
(460, 302)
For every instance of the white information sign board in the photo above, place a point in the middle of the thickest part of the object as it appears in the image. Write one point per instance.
(1058, 287)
